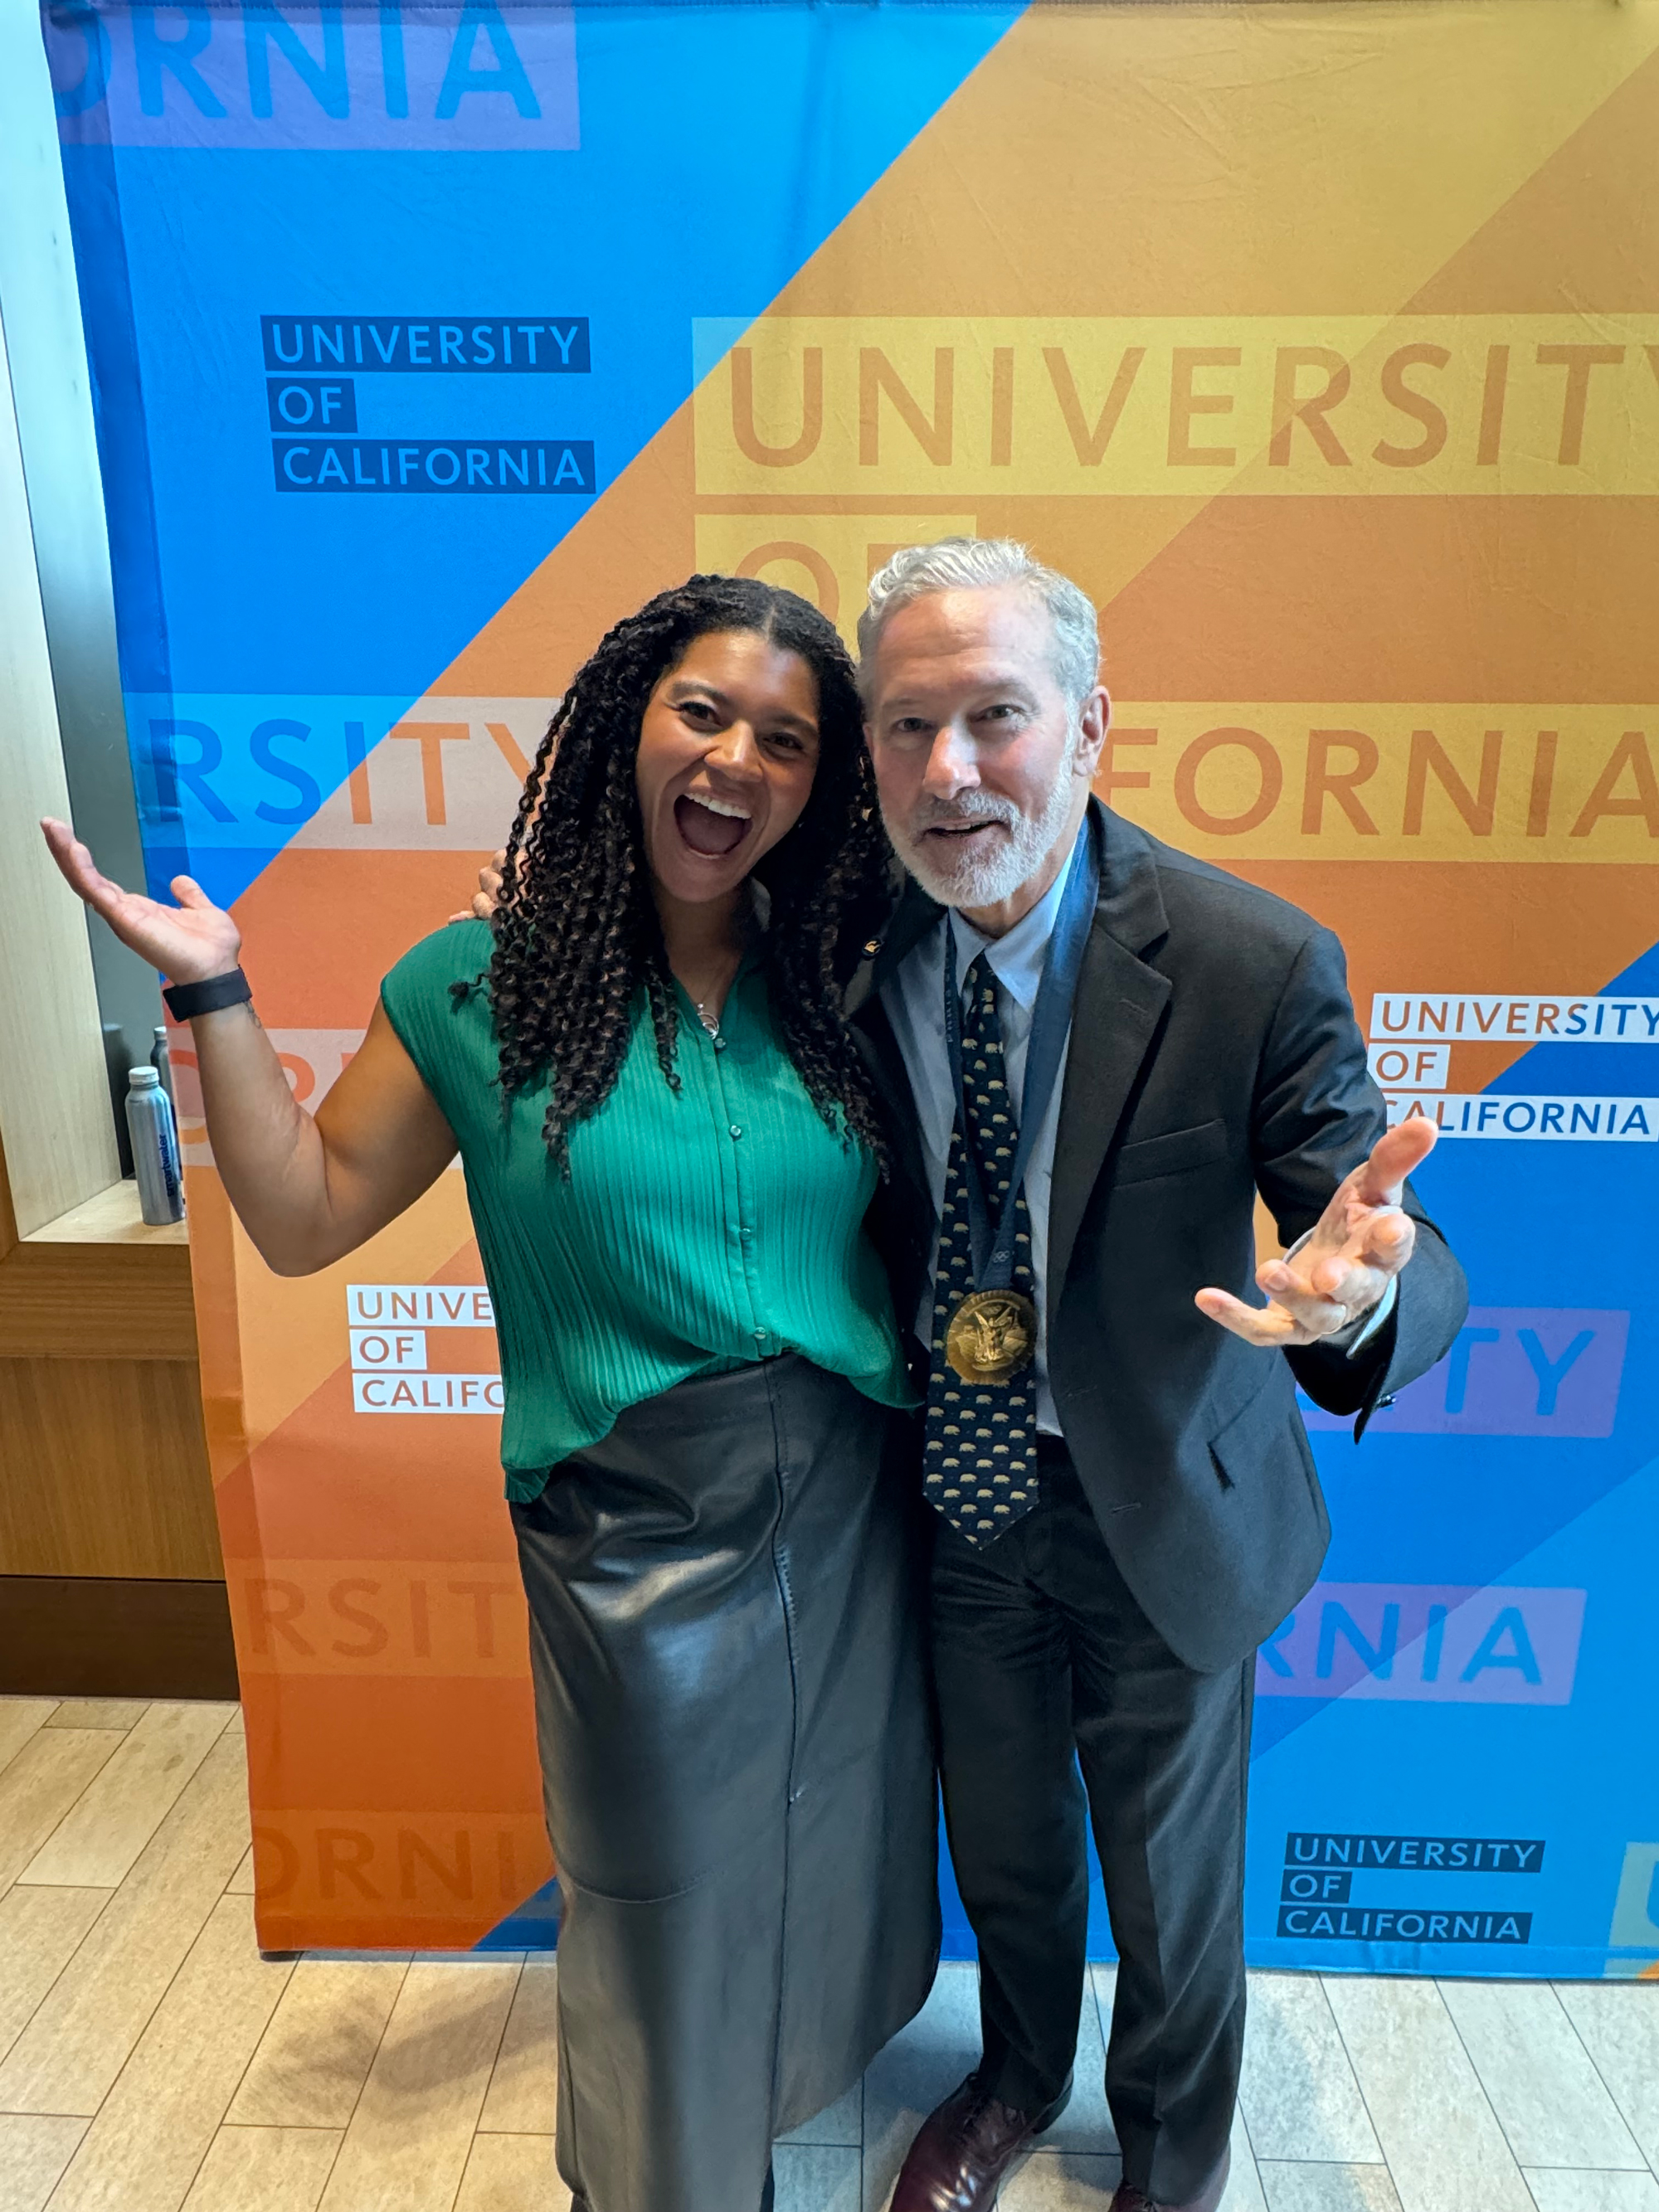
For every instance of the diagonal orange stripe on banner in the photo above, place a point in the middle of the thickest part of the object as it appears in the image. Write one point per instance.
(1251, 159)
(432, 1242)
(1517, 929)
(1582, 234)
(1349, 598)
(1247, 159)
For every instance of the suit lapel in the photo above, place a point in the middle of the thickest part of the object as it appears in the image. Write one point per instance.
(885, 1062)
(914, 916)
(1115, 1015)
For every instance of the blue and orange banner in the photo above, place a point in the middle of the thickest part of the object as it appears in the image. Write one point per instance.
(1321, 346)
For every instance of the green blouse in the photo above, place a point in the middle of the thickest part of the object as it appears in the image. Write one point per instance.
(697, 1231)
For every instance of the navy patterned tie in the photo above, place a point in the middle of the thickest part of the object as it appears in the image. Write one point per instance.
(979, 1449)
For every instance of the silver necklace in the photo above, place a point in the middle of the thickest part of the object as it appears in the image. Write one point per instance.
(711, 1022)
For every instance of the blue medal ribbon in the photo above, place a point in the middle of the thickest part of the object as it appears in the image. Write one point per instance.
(1051, 1019)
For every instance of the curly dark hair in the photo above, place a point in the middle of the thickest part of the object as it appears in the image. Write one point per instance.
(577, 932)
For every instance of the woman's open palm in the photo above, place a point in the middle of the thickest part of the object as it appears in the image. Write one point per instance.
(188, 941)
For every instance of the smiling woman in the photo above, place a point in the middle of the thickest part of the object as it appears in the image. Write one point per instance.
(729, 744)
(670, 1150)
(737, 703)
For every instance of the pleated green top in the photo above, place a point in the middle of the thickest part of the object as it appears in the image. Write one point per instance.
(699, 1229)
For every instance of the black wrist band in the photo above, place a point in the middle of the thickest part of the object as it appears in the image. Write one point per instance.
(184, 1000)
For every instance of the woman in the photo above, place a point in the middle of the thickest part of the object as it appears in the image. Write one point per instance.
(669, 1147)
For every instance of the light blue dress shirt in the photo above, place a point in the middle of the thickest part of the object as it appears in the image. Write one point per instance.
(912, 999)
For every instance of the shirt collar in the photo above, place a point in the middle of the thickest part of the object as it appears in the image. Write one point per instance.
(1017, 956)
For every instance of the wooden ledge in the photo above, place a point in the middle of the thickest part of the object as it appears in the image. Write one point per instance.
(99, 1283)
(111, 1218)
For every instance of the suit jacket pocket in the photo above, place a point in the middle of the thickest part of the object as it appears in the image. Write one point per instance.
(1173, 1153)
(1248, 1436)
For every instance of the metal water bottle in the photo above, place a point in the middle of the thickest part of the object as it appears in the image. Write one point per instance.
(154, 1148)
(161, 1060)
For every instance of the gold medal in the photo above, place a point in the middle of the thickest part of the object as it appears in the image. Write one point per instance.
(992, 1335)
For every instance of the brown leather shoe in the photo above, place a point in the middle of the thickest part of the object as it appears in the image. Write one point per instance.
(1136, 2200)
(957, 2162)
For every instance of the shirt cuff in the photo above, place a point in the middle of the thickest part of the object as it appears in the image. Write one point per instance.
(1357, 1333)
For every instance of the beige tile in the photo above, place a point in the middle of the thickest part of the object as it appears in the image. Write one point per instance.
(1618, 2023)
(465, 1962)
(516, 2173)
(1561, 2189)
(77, 2042)
(919, 2067)
(153, 2129)
(265, 2170)
(1443, 2146)
(97, 1841)
(100, 1712)
(1298, 2091)
(40, 1783)
(1243, 2189)
(39, 1931)
(34, 2152)
(1550, 2100)
(407, 2145)
(237, 1725)
(1336, 2188)
(1060, 2181)
(241, 1883)
(19, 1719)
(315, 2057)
(838, 2125)
(524, 2090)
(813, 2177)
(1086, 2126)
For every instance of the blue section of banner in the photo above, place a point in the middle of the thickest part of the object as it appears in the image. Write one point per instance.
(715, 152)
(534, 1926)
(1478, 1657)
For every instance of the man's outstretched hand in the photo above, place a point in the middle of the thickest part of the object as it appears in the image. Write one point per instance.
(488, 895)
(1363, 1240)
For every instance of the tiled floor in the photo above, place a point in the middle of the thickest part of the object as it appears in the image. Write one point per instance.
(150, 2060)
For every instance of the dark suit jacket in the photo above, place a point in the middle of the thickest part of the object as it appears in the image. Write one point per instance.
(1214, 1053)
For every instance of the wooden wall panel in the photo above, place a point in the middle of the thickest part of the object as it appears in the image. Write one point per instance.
(62, 1636)
(72, 1300)
(103, 1470)
(103, 1463)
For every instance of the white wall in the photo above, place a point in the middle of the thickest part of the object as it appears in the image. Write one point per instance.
(55, 1119)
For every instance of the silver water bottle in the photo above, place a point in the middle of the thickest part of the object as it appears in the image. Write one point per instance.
(154, 1148)
(161, 1060)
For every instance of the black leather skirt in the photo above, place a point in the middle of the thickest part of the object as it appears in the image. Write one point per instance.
(725, 1637)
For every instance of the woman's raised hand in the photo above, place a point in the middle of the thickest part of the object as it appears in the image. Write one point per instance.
(188, 941)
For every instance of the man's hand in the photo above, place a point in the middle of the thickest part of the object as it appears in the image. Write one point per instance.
(487, 895)
(1362, 1242)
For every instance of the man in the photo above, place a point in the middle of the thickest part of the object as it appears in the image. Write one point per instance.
(1125, 1498)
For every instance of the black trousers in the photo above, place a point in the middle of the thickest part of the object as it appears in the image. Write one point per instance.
(1045, 1663)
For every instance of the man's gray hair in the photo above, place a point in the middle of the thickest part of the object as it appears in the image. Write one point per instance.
(973, 564)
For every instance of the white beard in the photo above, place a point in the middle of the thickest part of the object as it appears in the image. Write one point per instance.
(984, 873)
